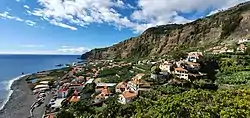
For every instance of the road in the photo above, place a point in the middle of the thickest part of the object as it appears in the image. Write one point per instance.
(39, 111)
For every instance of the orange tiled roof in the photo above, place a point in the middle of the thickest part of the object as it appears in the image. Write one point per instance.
(180, 69)
(105, 91)
(74, 99)
(192, 63)
(121, 85)
(129, 94)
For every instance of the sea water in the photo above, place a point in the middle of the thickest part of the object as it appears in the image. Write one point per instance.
(12, 66)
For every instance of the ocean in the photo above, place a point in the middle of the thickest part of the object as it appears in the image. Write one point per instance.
(12, 66)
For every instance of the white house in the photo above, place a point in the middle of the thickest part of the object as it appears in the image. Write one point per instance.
(166, 67)
(181, 73)
(243, 40)
(127, 96)
(242, 48)
(41, 86)
(44, 82)
(132, 86)
(194, 56)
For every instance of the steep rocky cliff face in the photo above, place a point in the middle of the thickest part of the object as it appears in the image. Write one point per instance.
(231, 24)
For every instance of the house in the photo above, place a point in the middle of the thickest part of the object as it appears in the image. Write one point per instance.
(166, 67)
(127, 96)
(181, 73)
(194, 56)
(223, 50)
(89, 80)
(132, 86)
(137, 82)
(78, 87)
(74, 99)
(44, 82)
(192, 76)
(161, 77)
(100, 86)
(78, 69)
(216, 52)
(105, 93)
(41, 86)
(121, 87)
(180, 63)
(243, 40)
(230, 50)
(241, 48)
(193, 66)
(62, 93)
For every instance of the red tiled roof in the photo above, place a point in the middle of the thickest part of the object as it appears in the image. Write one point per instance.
(62, 90)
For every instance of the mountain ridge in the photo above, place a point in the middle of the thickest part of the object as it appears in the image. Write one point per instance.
(224, 26)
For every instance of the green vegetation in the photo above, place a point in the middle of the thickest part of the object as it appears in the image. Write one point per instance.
(242, 77)
(234, 69)
(230, 24)
(59, 72)
(193, 103)
(116, 74)
(197, 99)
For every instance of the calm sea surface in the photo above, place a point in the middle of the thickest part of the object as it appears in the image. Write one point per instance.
(11, 66)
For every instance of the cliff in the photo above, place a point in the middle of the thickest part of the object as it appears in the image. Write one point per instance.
(224, 26)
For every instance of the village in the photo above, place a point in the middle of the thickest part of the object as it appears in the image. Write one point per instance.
(86, 80)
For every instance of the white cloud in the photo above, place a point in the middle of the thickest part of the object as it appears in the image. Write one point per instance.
(146, 14)
(82, 12)
(73, 50)
(54, 22)
(18, 0)
(26, 6)
(6, 15)
(30, 23)
(32, 46)
(65, 46)
(158, 12)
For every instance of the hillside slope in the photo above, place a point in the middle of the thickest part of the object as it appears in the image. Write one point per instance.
(224, 26)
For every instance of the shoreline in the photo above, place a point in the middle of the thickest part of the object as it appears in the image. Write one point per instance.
(20, 100)
(9, 87)
(20, 97)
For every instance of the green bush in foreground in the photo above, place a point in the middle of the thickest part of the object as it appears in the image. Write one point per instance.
(193, 103)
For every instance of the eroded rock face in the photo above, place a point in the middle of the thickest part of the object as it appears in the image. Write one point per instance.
(225, 26)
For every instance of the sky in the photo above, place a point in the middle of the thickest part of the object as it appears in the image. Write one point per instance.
(77, 26)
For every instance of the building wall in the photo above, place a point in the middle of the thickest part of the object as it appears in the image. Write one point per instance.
(165, 68)
(182, 75)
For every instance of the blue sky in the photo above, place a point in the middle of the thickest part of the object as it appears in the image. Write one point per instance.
(76, 26)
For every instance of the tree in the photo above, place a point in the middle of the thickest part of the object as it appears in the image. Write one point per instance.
(179, 55)
(248, 51)
(65, 114)
(155, 70)
(51, 83)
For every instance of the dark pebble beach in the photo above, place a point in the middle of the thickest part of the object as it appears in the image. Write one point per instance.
(20, 101)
